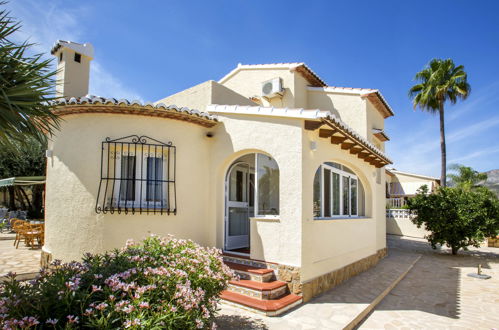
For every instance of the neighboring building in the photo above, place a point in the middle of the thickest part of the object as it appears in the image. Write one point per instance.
(400, 186)
(276, 168)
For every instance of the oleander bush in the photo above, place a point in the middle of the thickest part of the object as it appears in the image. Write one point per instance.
(162, 283)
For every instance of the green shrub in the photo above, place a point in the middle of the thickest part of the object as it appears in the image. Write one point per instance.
(162, 283)
(456, 217)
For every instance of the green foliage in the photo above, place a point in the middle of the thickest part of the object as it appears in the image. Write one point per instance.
(456, 217)
(25, 158)
(465, 177)
(440, 81)
(161, 283)
(26, 86)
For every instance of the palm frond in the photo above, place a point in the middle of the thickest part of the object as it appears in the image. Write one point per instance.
(26, 88)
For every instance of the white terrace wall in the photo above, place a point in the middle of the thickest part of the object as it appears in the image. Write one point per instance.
(73, 175)
(329, 245)
(350, 108)
(273, 240)
(247, 82)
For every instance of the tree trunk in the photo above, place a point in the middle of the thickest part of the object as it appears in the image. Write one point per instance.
(12, 198)
(26, 197)
(443, 173)
(454, 249)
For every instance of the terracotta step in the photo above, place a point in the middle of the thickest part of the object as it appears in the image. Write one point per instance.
(248, 261)
(267, 307)
(248, 272)
(259, 290)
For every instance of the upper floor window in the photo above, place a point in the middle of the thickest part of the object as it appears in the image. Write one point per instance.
(78, 57)
(337, 192)
(137, 175)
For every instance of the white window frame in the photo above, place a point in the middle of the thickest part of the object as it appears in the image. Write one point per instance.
(140, 194)
(342, 174)
(256, 202)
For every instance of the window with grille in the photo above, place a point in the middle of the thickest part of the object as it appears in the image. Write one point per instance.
(137, 176)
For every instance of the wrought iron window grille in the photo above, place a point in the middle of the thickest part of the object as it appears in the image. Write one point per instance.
(137, 176)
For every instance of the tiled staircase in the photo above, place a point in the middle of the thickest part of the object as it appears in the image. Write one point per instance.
(257, 289)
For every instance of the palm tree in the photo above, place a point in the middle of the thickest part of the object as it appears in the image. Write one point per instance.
(465, 177)
(440, 81)
(26, 87)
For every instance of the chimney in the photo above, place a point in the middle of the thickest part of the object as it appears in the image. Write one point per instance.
(73, 68)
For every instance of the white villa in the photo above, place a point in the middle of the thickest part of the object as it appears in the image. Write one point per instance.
(281, 171)
(400, 186)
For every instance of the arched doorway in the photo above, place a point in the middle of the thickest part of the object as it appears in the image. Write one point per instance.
(251, 190)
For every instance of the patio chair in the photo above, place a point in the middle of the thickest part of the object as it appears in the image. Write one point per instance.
(17, 226)
(30, 234)
(22, 215)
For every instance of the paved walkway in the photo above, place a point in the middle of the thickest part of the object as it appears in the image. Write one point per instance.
(439, 294)
(436, 293)
(21, 260)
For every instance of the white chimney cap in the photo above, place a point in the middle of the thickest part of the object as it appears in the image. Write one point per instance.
(85, 49)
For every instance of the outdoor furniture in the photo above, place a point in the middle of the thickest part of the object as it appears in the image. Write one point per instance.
(17, 225)
(31, 233)
(22, 215)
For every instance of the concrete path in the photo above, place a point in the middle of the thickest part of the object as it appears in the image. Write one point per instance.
(439, 294)
(435, 294)
(21, 260)
(334, 309)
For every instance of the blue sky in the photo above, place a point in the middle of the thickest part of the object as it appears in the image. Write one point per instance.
(149, 49)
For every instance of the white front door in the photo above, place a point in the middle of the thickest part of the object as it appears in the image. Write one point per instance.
(239, 193)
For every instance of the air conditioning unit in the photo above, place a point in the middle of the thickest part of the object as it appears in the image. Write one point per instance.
(272, 88)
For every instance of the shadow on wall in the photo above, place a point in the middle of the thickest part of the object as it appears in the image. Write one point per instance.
(326, 104)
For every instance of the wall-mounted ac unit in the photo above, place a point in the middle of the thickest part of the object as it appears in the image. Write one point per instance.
(272, 88)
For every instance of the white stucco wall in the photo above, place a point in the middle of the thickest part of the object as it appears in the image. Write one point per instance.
(209, 92)
(331, 244)
(404, 227)
(275, 240)
(73, 175)
(350, 108)
(248, 82)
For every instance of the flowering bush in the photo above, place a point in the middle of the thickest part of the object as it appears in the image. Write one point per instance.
(158, 283)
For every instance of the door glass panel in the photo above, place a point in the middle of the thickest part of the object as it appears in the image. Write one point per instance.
(238, 221)
(353, 196)
(327, 192)
(251, 194)
(336, 194)
(346, 195)
(317, 193)
(268, 185)
(237, 184)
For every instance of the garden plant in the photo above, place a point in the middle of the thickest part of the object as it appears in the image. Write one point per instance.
(456, 217)
(159, 283)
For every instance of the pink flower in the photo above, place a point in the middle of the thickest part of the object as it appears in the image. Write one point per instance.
(144, 304)
(96, 288)
(101, 306)
(52, 321)
(72, 319)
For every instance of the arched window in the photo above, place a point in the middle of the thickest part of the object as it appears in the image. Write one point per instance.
(263, 170)
(337, 192)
